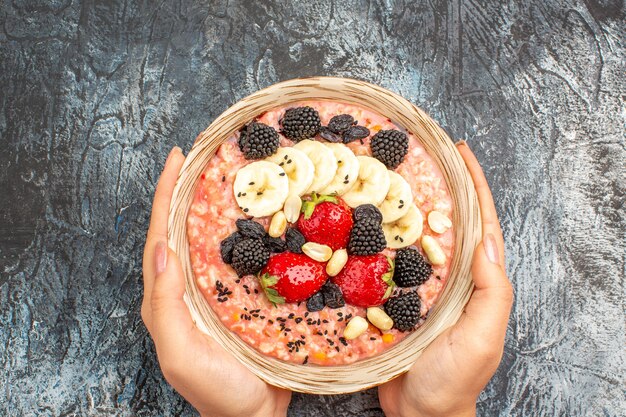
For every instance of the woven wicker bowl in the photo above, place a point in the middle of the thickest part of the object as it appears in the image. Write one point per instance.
(398, 359)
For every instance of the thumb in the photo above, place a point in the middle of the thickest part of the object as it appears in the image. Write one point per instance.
(170, 315)
(491, 302)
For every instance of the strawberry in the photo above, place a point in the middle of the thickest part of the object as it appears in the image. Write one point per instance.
(326, 220)
(366, 281)
(292, 277)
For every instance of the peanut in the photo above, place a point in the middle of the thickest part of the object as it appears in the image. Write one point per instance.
(336, 262)
(355, 328)
(433, 250)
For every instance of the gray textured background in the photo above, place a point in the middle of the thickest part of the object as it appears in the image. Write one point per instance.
(94, 94)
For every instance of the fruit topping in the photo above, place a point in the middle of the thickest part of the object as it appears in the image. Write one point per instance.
(404, 231)
(326, 221)
(372, 183)
(317, 252)
(324, 163)
(379, 318)
(275, 244)
(294, 240)
(355, 328)
(404, 310)
(336, 262)
(333, 298)
(366, 281)
(293, 277)
(227, 245)
(315, 302)
(258, 140)
(297, 166)
(367, 211)
(300, 123)
(354, 133)
(398, 200)
(347, 170)
(431, 247)
(329, 135)
(438, 222)
(249, 256)
(367, 237)
(340, 123)
(250, 228)
(411, 268)
(261, 188)
(390, 147)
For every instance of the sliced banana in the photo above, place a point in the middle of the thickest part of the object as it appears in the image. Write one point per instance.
(404, 231)
(372, 184)
(297, 165)
(324, 163)
(398, 199)
(347, 169)
(261, 188)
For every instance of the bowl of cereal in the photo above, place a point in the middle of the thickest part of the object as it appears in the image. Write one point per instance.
(325, 227)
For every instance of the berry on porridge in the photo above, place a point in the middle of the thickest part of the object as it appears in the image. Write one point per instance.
(320, 233)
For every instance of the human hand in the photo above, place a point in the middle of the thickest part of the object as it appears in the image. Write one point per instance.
(452, 371)
(213, 381)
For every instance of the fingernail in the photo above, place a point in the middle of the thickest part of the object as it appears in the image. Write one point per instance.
(491, 248)
(174, 150)
(461, 143)
(161, 256)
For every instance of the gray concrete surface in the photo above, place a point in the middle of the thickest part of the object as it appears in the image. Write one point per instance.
(93, 94)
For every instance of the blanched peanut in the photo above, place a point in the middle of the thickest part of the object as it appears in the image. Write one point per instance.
(438, 222)
(379, 318)
(336, 262)
(292, 207)
(355, 328)
(433, 250)
(317, 252)
(277, 225)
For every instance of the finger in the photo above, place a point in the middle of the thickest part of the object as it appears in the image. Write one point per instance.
(488, 214)
(171, 320)
(158, 220)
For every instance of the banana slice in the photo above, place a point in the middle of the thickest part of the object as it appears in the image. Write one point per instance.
(347, 169)
(398, 199)
(404, 231)
(261, 188)
(372, 184)
(324, 163)
(297, 165)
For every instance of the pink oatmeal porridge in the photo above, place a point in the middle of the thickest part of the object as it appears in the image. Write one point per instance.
(289, 331)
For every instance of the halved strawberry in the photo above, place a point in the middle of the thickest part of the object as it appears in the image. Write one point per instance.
(326, 220)
(292, 277)
(366, 281)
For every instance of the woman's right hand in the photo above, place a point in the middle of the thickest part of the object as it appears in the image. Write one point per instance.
(452, 371)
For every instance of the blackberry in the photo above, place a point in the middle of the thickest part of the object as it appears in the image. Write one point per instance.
(249, 256)
(411, 268)
(367, 211)
(354, 133)
(390, 147)
(294, 240)
(315, 302)
(404, 310)
(341, 123)
(300, 123)
(333, 298)
(227, 245)
(367, 237)
(258, 140)
(250, 228)
(274, 244)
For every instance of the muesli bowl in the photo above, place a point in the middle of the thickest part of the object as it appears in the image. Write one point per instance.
(374, 370)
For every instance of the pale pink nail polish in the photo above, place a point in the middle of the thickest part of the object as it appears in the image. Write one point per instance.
(160, 254)
(491, 248)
